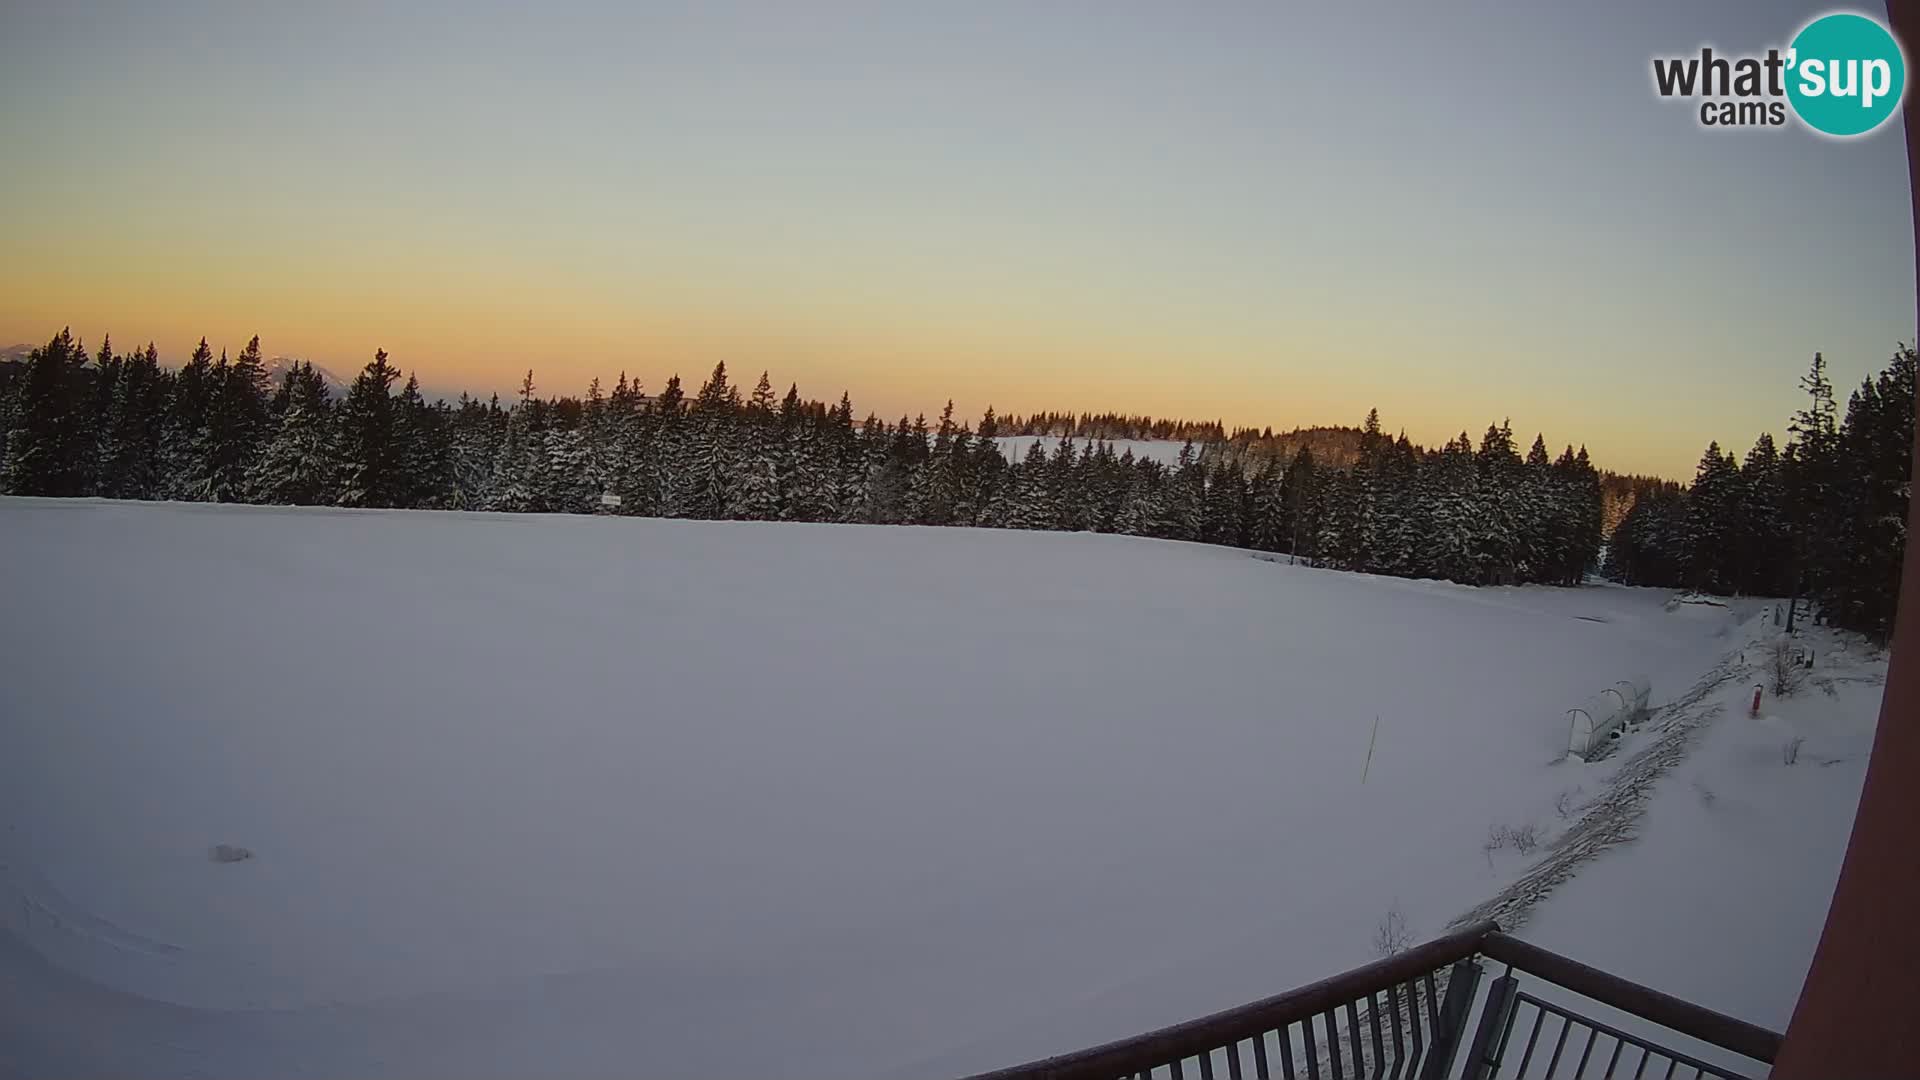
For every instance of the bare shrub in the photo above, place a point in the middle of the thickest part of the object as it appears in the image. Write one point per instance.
(1785, 673)
(1790, 750)
(1567, 802)
(1706, 793)
(1393, 935)
(1498, 836)
(1524, 839)
(1827, 686)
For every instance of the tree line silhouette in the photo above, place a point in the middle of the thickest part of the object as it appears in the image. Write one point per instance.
(1819, 515)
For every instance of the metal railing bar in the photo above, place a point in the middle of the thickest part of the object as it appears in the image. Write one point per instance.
(1618, 1045)
(1675, 1056)
(1399, 1045)
(1413, 1028)
(1539, 1018)
(1694, 1021)
(1379, 1039)
(1312, 1052)
(1433, 1007)
(1353, 1039)
(1188, 1038)
(1560, 1045)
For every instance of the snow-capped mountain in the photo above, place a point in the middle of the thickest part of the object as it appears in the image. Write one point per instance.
(278, 366)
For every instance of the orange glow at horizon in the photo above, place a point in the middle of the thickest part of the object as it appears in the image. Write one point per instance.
(1131, 215)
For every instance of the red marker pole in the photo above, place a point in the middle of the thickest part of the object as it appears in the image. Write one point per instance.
(1756, 701)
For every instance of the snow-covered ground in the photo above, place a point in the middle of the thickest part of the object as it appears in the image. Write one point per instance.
(592, 796)
(1721, 895)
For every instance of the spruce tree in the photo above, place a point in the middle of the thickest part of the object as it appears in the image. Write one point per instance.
(298, 466)
(130, 435)
(1712, 504)
(761, 465)
(184, 449)
(47, 445)
(370, 456)
(236, 423)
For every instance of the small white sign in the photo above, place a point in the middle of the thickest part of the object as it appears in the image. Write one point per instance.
(609, 500)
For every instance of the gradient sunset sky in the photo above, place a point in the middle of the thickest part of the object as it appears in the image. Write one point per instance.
(1263, 213)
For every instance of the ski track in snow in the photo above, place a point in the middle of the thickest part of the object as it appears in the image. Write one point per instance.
(1607, 822)
(1611, 819)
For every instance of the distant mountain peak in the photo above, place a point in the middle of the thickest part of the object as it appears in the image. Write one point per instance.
(278, 366)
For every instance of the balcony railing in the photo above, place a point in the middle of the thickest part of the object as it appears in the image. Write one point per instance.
(1423, 1014)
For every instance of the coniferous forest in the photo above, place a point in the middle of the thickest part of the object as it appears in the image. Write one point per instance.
(1824, 516)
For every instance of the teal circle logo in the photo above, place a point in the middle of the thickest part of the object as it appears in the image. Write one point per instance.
(1845, 74)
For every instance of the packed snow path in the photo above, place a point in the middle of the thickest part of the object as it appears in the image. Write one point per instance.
(1612, 818)
(590, 796)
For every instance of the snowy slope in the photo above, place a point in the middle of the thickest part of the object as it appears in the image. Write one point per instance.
(1161, 450)
(278, 366)
(592, 796)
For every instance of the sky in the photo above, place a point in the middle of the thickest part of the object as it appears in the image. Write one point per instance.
(1256, 212)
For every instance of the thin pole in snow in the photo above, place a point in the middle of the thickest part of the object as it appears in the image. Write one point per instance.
(1370, 739)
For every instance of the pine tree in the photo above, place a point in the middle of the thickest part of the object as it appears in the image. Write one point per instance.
(568, 486)
(1496, 526)
(1455, 495)
(1301, 483)
(236, 424)
(106, 373)
(936, 488)
(1032, 501)
(1186, 488)
(848, 463)
(297, 467)
(1221, 507)
(473, 446)
(1710, 521)
(48, 452)
(1872, 473)
(1809, 474)
(370, 466)
(1397, 528)
(1762, 564)
(130, 435)
(711, 490)
(184, 439)
(1268, 529)
(423, 450)
(761, 463)
(988, 471)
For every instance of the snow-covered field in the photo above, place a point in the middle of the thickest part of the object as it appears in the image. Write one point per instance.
(591, 796)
